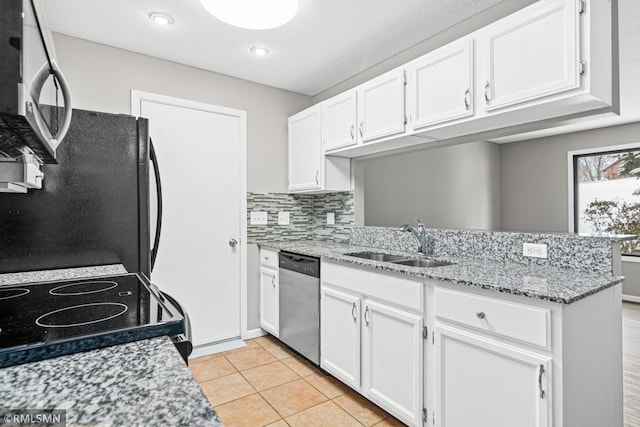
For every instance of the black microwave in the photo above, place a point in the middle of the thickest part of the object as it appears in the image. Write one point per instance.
(35, 109)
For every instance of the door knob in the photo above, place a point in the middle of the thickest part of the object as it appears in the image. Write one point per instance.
(233, 243)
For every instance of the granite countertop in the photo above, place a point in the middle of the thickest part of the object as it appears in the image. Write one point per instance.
(541, 282)
(60, 274)
(143, 383)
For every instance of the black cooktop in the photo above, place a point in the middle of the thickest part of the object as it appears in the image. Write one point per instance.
(38, 315)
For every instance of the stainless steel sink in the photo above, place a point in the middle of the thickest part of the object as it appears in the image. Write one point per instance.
(414, 261)
(377, 256)
(427, 263)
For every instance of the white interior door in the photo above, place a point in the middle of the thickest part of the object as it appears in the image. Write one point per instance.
(199, 150)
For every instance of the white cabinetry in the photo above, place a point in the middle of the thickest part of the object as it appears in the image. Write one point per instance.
(309, 169)
(440, 85)
(531, 55)
(483, 382)
(381, 106)
(371, 337)
(339, 121)
(269, 291)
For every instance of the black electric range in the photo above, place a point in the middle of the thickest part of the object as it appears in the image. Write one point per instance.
(50, 319)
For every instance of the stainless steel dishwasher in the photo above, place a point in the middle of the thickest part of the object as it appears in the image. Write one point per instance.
(300, 304)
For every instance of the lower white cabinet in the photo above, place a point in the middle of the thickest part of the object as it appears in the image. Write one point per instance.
(340, 335)
(372, 345)
(392, 360)
(482, 382)
(269, 292)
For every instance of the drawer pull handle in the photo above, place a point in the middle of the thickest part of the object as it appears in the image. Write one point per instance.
(273, 281)
(353, 313)
(540, 373)
(480, 315)
(366, 316)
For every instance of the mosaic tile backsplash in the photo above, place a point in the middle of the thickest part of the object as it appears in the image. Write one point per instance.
(589, 254)
(307, 216)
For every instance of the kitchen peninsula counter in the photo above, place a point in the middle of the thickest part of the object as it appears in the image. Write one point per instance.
(559, 285)
(143, 383)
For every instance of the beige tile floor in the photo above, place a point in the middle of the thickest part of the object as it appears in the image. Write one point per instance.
(264, 384)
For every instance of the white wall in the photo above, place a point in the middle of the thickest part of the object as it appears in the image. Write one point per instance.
(102, 77)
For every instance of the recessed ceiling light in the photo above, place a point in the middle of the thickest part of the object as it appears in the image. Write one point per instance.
(252, 14)
(259, 50)
(160, 18)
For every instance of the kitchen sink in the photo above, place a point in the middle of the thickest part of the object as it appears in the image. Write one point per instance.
(417, 262)
(411, 261)
(378, 256)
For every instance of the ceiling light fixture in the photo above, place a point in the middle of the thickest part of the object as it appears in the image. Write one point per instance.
(252, 14)
(259, 50)
(160, 18)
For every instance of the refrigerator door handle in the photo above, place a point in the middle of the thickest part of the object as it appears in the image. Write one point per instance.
(156, 173)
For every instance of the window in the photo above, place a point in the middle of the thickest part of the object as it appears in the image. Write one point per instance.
(606, 188)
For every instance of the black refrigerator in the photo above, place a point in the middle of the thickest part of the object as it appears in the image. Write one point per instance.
(93, 208)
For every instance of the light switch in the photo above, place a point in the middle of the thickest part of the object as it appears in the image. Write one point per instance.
(331, 218)
(258, 218)
(283, 218)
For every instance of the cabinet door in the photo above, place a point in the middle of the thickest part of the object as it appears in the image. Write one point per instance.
(339, 121)
(531, 54)
(340, 335)
(305, 150)
(392, 360)
(431, 100)
(480, 382)
(269, 310)
(381, 106)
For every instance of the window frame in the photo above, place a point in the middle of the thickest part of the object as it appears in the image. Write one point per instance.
(572, 160)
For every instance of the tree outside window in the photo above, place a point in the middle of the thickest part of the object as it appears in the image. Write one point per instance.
(607, 196)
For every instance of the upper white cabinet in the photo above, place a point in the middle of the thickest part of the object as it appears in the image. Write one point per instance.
(531, 55)
(547, 61)
(309, 169)
(339, 121)
(381, 106)
(429, 99)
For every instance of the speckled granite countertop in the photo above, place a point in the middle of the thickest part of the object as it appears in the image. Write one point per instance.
(60, 274)
(143, 383)
(556, 285)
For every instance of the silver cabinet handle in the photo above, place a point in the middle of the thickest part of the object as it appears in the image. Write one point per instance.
(233, 243)
(351, 132)
(360, 129)
(540, 373)
(353, 313)
(317, 180)
(467, 100)
(486, 93)
(366, 316)
(273, 281)
(480, 314)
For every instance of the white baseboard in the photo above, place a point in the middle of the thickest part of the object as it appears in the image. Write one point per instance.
(630, 298)
(207, 349)
(255, 333)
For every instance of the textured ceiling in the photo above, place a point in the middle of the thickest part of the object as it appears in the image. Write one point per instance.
(327, 42)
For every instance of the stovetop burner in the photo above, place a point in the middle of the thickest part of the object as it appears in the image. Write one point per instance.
(44, 314)
(80, 315)
(12, 293)
(83, 288)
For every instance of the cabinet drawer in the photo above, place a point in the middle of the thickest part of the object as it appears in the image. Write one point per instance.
(518, 321)
(268, 258)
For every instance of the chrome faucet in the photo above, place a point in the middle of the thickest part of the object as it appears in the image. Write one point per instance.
(421, 234)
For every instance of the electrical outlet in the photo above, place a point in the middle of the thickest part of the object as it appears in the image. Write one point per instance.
(331, 218)
(283, 218)
(258, 218)
(534, 250)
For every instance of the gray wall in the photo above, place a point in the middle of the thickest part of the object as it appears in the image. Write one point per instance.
(448, 187)
(101, 78)
(534, 183)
